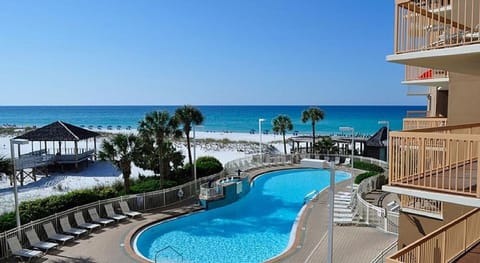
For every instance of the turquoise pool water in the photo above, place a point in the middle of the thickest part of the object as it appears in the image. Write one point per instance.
(253, 229)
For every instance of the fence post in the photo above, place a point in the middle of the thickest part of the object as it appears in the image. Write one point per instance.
(385, 223)
(164, 202)
(144, 201)
(368, 215)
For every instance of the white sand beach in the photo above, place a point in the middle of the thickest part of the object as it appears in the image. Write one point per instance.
(104, 173)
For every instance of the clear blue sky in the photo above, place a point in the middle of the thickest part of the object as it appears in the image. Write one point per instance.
(199, 52)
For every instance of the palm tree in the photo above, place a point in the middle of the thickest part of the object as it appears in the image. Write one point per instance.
(281, 124)
(188, 115)
(159, 127)
(120, 150)
(314, 114)
(6, 165)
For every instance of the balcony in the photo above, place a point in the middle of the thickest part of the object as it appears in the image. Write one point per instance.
(425, 77)
(445, 244)
(422, 206)
(438, 34)
(423, 123)
(436, 163)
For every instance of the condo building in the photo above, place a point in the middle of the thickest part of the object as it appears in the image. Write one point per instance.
(433, 161)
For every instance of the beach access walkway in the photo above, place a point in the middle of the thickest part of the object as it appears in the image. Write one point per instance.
(351, 243)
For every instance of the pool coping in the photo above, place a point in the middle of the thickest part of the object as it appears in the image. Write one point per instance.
(130, 236)
(301, 220)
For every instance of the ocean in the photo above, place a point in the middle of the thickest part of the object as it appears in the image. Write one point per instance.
(364, 119)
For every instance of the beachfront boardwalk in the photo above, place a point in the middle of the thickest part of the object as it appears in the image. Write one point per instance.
(352, 244)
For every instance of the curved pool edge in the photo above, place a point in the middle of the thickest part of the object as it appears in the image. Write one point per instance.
(130, 237)
(296, 235)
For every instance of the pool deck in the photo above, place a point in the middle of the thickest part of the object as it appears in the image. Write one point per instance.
(109, 243)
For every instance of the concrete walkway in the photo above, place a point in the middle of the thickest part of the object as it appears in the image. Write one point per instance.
(351, 243)
(354, 244)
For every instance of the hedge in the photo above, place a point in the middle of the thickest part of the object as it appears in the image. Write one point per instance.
(372, 170)
(43, 207)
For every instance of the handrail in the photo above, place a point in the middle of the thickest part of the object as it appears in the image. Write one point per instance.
(441, 233)
(165, 248)
(380, 257)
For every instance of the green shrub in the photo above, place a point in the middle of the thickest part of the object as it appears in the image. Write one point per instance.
(43, 207)
(363, 176)
(148, 184)
(7, 221)
(367, 167)
(372, 170)
(208, 165)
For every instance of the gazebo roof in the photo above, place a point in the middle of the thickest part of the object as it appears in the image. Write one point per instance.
(379, 139)
(58, 131)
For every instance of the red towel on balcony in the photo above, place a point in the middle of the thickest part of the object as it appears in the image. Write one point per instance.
(426, 75)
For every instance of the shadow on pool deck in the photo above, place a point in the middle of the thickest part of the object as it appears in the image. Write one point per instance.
(107, 245)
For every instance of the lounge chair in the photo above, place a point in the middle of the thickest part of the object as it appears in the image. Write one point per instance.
(111, 213)
(82, 224)
(126, 210)
(347, 161)
(96, 219)
(18, 251)
(53, 235)
(67, 228)
(37, 243)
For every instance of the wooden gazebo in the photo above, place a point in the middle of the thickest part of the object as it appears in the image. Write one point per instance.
(47, 153)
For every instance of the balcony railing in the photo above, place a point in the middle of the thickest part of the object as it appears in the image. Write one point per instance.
(444, 244)
(442, 159)
(432, 24)
(422, 206)
(418, 73)
(423, 123)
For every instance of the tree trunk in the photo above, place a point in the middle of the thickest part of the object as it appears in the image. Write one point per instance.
(189, 150)
(313, 135)
(284, 144)
(126, 170)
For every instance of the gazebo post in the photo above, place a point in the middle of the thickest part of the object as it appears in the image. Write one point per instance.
(60, 147)
(94, 148)
(76, 154)
(45, 143)
(21, 171)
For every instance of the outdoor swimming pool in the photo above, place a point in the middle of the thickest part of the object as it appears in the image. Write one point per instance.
(253, 229)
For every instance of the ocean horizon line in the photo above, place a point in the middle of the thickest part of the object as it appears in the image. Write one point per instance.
(219, 105)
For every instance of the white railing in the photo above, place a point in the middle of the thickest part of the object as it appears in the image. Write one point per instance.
(140, 202)
(167, 197)
(380, 258)
(373, 215)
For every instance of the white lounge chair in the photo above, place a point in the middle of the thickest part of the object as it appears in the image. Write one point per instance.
(82, 224)
(18, 251)
(67, 228)
(95, 218)
(37, 243)
(111, 213)
(53, 235)
(126, 210)
(347, 161)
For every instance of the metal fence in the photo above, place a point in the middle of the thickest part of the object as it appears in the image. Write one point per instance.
(380, 258)
(139, 202)
(167, 197)
(373, 215)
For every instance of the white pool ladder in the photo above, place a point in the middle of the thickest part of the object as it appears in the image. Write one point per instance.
(171, 248)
